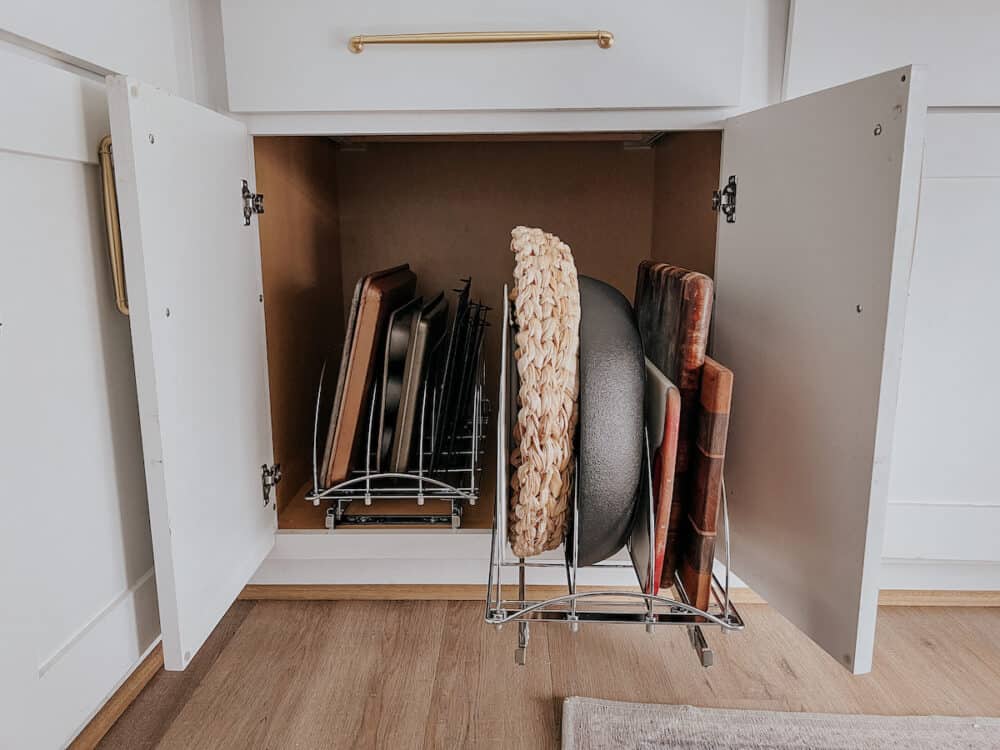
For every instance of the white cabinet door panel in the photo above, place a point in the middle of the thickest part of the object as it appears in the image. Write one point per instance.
(811, 290)
(962, 144)
(950, 357)
(194, 286)
(294, 56)
(831, 43)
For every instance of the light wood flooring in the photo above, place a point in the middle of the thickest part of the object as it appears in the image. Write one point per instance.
(356, 674)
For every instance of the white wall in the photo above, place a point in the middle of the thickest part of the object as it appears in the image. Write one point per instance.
(76, 570)
(944, 506)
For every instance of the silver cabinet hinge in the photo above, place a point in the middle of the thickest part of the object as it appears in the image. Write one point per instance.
(269, 478)
(253, 203)
(725, 200)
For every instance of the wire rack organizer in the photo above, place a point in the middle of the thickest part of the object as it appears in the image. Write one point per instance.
(456, 477)
(602, 606)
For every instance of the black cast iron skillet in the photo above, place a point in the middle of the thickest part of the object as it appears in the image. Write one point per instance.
(610, 427)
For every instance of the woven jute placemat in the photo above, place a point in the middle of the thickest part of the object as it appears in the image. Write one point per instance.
(546, 304)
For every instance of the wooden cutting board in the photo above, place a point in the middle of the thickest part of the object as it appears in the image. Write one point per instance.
(674, 307)
(663, 409)
(701, 522)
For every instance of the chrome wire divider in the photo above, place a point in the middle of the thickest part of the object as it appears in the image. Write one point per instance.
(608, 606)
(457, 479)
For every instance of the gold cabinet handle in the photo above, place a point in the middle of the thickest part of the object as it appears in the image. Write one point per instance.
(604, 39)
(112, 223)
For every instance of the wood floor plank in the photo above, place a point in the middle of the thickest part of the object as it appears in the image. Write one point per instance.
(237, 703)
(482, 699)
(938, 650)
(339, 676)
(150, 716)
(400, 694)
(350, 674)
(977, 635)
(345, 674)
(98, 727)
(920, 667)
(452, 719)
(324, 710)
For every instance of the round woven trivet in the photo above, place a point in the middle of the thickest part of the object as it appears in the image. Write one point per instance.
(546, 302)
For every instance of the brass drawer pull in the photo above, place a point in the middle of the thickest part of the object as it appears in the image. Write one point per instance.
(112, 223)
(604, 39)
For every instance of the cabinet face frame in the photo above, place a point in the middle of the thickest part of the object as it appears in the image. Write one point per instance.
(782, 202)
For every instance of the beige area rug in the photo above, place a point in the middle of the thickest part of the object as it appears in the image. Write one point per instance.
(591, 724)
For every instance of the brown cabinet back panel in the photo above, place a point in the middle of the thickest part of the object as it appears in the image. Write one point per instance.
(685, 174)
(447, 208)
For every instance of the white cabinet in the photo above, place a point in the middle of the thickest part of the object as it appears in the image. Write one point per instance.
(831, 43)
(944, 512)
(812, 278)
(812, 283)
(295, 56)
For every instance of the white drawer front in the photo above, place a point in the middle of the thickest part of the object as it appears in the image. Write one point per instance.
(294, 56)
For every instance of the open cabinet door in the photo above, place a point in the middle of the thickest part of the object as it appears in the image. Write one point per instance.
(812, 279)
(193, 275)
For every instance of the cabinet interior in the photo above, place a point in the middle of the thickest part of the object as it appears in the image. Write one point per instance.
(337, 208)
